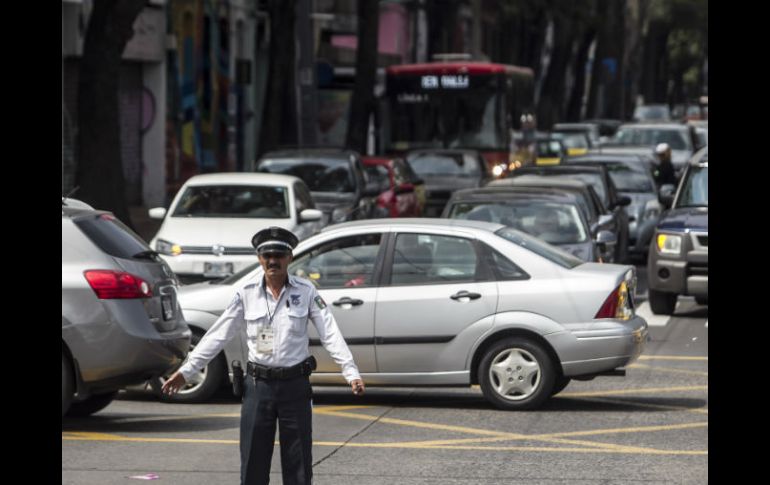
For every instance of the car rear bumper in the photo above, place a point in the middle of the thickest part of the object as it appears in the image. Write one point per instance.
(600, 346)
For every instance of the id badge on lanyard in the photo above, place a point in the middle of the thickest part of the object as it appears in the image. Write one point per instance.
(265, 340)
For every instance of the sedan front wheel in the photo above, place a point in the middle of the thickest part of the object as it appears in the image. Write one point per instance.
(516, 374)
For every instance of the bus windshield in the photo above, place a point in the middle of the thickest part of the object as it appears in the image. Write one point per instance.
(473, 117)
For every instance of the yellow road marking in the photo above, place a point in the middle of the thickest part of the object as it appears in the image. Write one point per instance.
(668, 369)
(672, 357)
(650, 390)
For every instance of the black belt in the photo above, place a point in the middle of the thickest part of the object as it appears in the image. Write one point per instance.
(259, 371)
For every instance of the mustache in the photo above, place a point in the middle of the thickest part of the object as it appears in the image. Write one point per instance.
(273, 266)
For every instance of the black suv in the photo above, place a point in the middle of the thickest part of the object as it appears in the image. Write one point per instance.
(678, 261)
(337, 180)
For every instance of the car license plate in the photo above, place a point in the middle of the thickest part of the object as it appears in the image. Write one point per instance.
(167, 307)
(217, 269)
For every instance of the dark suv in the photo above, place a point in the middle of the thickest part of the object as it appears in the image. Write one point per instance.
(678, 260)
(337, 180)
(121, 323)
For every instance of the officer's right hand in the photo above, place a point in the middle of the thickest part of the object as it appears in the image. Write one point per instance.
(173, 384)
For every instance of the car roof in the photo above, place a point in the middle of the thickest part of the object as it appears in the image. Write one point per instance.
(540, 180)
(654, 126)
(514, 192)
(417, 222)
(443, 151)
(607, 158)
(574, 126)
(242, 178)
(542, 170)
(310, 152)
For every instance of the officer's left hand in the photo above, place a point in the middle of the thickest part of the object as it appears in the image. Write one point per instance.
(357, 386)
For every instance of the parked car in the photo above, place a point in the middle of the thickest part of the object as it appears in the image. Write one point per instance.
(682, 139)
(601, 181)
(553, 216)
(402, 193)
(678, 261)
(445, 171)
(207, 230)
(336, 178)
(576, 143)
(603, 224)
(121, 320)
(633, 178)
(455, 303)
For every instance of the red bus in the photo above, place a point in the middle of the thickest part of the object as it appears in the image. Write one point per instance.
(471, 105)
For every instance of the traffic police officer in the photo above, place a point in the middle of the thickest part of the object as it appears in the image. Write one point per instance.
(274, 309)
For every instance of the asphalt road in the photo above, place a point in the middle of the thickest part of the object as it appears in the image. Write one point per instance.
(648, 427)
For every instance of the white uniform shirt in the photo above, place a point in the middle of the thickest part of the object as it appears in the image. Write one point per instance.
(298, 302)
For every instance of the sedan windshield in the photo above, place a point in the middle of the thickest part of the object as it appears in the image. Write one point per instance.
(554, 223)
(631, 178)
(241, 201)
(675, 138)
(320, 174)
(442, 164)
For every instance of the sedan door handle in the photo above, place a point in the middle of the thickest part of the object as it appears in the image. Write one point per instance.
(465, 294)
(348, 301)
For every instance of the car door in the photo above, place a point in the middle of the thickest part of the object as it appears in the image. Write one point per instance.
(434, 288)
(343, 271)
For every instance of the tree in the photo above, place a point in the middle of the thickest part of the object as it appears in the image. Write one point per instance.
(99, 172)
(279, 123)
(362, 102)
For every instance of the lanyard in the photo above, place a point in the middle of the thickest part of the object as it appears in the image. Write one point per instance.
(277, 304)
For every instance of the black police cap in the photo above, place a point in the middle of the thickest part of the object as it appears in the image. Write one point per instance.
(274, 240)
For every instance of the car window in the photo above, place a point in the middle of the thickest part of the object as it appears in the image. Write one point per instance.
(439, 164)
(675, 138)
(341, 263)
(112, 236)
(695, 188)
(531, 243)
(428, 259)
(241, 201)
(379, 176)
(631, 178)
(320, 174)
(503, 268)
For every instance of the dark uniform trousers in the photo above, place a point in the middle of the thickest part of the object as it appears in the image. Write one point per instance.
(289, 402)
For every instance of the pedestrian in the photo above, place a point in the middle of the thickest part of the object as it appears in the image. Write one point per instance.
(274, 310)
(664, 172)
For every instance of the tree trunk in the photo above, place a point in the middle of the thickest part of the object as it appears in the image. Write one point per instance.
(576, 97)
(551, 104)
(279, 123)
(362, 102)
(99, 172)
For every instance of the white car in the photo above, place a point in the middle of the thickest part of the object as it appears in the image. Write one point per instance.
(207, 231)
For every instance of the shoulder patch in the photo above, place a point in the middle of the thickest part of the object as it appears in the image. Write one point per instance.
(319, 302)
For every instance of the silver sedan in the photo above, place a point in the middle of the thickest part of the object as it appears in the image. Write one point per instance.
(452, 303)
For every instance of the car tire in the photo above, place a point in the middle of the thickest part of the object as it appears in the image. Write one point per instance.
(662, 303)
(67, 384)
(559, 384)
(94, 403)
(524, 364)
(204, 384)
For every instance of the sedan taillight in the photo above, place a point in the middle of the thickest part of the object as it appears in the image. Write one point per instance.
(109, 284)
(617, 305)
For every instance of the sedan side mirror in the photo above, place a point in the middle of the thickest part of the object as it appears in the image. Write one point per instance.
(309, 215)
(606, 240)
(157, 213)
(623, 201)
(666, 195)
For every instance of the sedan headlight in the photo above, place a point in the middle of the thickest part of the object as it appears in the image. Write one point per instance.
(498, 170)
(652, 209)
(669, 243)
(168, 248)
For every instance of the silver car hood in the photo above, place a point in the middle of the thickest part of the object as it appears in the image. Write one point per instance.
(205, 297)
